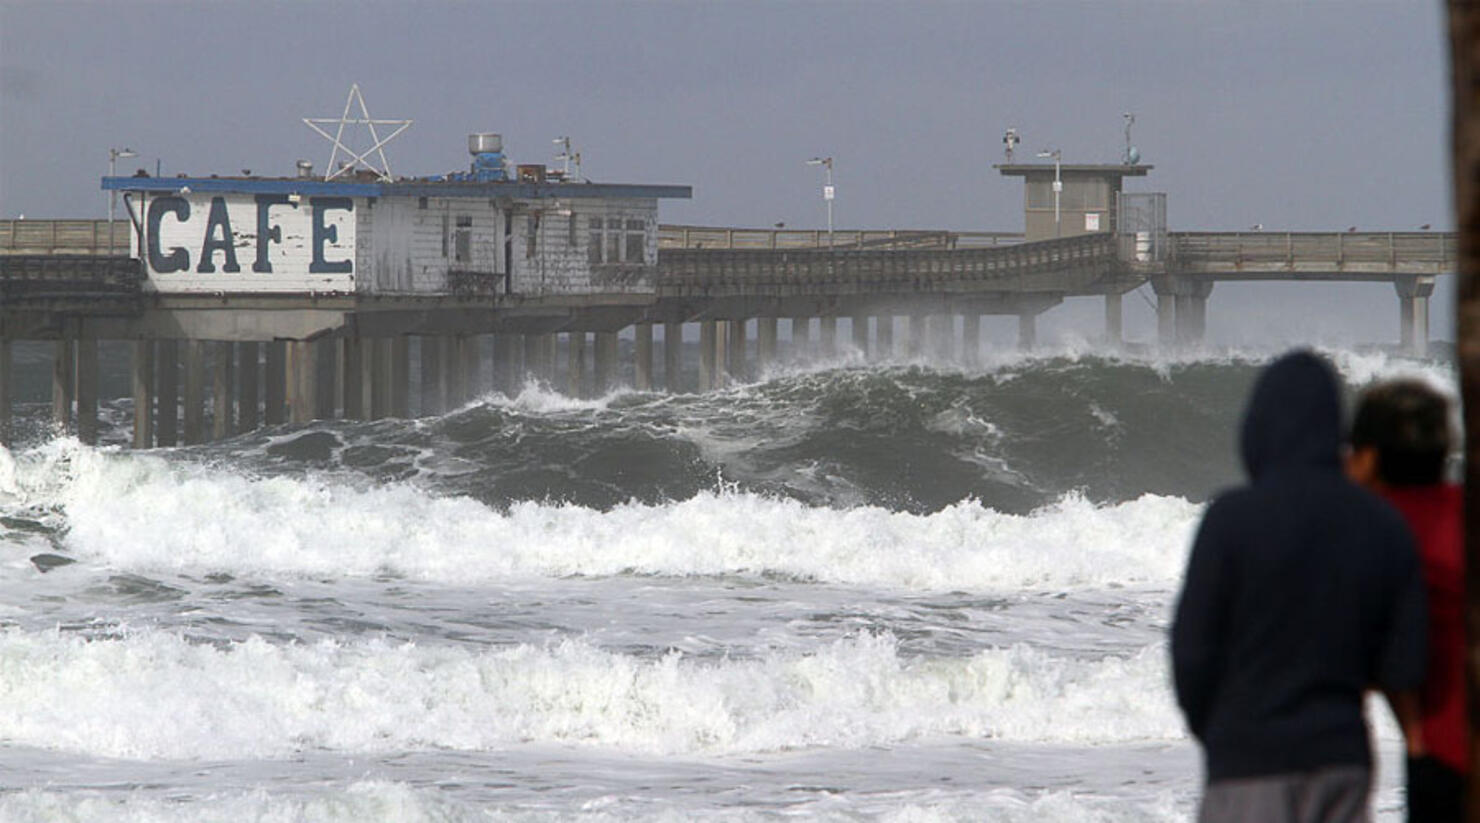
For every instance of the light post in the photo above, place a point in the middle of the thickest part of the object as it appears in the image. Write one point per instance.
(827, 192)
(113, 155)
(1058, 187)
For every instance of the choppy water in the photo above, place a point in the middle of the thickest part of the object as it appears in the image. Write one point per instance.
(852, 593)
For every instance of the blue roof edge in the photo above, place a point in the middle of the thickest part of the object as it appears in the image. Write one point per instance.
(403, 188)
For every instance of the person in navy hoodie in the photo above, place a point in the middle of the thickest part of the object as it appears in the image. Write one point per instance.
(1401, 437)
(1302, 593)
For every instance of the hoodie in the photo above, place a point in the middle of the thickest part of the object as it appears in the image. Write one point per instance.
(1302, 592)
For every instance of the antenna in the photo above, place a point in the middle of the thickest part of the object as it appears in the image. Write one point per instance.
(1131, 156)
(1009, 140)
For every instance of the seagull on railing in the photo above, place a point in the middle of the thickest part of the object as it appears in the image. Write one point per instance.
(779, 225)
(1351, 228)
(1257, 227)
(1424, 227)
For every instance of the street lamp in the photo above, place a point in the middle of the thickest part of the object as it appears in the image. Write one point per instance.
(827, 193)
(1058, 188)
(113, 155)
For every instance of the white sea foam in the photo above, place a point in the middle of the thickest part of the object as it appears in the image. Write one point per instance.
(152, 695)
(373, 800)
(142, 512)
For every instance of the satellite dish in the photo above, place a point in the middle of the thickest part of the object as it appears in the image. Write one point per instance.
(1132, 156)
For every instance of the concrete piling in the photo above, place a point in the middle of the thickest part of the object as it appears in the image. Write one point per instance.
(605, 371)
(735, 366)
(971, 338)
(275, 383)
(708, 338)
(194, 393)
(1114, 324)
(167, 393)
(247, 373)
(223, 375)
(859, 330)
(673, 357)
(141, 388)
(828, 331)
(1027, 330)
(642, 355)
(62, 373)
(7, 418)
(575, 355)
(765, 343)
(87, 390)
(884, 337)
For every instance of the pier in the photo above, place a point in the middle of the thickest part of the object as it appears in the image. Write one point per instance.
(252, 301)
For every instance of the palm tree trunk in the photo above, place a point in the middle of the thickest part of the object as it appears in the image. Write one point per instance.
(1464, 44)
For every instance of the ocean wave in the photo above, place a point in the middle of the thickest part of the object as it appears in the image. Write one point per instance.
(141, 512)
(153, 695)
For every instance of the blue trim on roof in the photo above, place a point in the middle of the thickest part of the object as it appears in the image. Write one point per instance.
(404, 188)
(241, 185)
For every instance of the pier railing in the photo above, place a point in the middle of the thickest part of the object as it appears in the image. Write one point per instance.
(853, 270)
(42, 277)
(713, 237)
(1410, 252)
(65, 237)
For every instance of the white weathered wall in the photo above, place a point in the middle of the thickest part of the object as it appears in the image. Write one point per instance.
(561, 267)
(289, 257)
(402, 249)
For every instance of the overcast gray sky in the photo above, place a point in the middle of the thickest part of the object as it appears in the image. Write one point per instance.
(1295, 115)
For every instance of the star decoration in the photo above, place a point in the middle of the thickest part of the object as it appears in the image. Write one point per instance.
(337, 138)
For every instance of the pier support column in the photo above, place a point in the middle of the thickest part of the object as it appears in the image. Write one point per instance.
(223, 375)
(474, 385)
(765, 343)
(829, 332)
(141, 386)
(63, 365)
(916, 346)
(302, 381)
(275, 383)
(859, 331)
(642, 354)
(375, 375)
(884, 337)
(940, 333)
(193, 400)
(1027, 330)
(400, 388)
(606, 362)
(87, 390)
(1413, 313)
(454, 359)
(509, 352)
(534, 361)
(721, 353)
(708, 337)
(7, 398)
(1114, 320)
(246, 386)
(673, 357)
(801, 337)
(325, 366)
(431, 375)
(575, 356)
(1166, 319)
(971, 338)
(354, 378)
(735, 350)
(167, 393)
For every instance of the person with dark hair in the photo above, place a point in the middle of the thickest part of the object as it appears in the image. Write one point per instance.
(1302, 593)
(1400, 442)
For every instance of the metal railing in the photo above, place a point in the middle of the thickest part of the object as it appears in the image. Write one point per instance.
(30, 237)
(720, 237)
(1294, 249)
(861, 268)
(31, 277)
